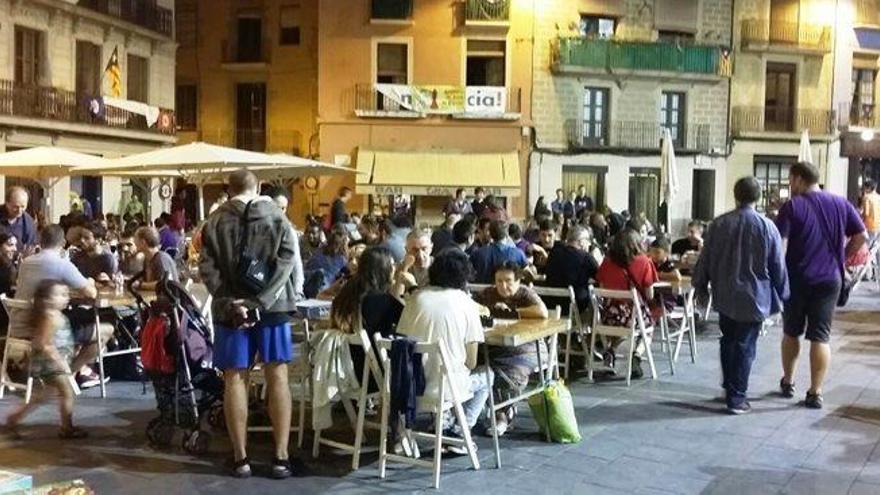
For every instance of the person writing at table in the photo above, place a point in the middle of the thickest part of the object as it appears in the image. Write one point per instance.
(510, 299)
(158, 265)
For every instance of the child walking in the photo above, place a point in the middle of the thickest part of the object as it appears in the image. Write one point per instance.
(52, 347)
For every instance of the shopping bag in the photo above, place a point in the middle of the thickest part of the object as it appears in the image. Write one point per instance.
(554, 410)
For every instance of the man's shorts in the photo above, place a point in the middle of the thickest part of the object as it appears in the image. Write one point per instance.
(236, 349)
(810, 310)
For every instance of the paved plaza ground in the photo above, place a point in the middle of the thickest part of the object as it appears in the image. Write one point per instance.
(657, 437)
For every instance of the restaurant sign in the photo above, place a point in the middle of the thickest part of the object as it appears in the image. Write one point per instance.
(421, 190)
(476, 100)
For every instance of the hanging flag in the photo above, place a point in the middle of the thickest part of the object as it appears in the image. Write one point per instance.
(114, 73)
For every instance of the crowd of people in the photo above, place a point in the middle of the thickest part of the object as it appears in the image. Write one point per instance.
(391, 279)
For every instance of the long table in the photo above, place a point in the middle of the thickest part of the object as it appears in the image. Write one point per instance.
(515, 333)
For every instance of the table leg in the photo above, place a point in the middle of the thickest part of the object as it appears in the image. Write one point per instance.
(544, 381)
(100, 353)
(492, 419)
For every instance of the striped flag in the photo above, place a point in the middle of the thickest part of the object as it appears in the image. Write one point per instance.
(114, 73)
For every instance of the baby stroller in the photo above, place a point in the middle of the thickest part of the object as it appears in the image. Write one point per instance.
(177, 354)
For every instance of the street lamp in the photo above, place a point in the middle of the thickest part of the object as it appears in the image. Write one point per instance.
(867, 135)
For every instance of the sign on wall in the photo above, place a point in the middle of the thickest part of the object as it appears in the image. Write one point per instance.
(477, 100)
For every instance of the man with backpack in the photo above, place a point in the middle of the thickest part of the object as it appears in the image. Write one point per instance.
(249, 252)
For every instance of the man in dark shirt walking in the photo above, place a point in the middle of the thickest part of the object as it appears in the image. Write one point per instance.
(338, 213)
(743, 263)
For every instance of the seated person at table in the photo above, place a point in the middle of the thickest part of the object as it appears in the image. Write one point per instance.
(131, 262)
(329, 261)
(625, 268)
(659, 254)
(443, 311)
(91, 258)
(412, 273)
(546, 239)
(312, 241)
(48, 264)
(158, 265)
(442, 236)
(571, 265)
(9, 260)
(355, 249)
(463, 235)
(693, 241)
(509, 299)
(489, 257)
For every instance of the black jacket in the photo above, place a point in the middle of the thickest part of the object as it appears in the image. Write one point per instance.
(569, 266)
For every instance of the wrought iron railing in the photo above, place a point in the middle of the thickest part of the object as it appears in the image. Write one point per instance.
(66, 106)
(234, 53)
(641, 56)
(858, 115)
(391, 9)
(368, 99)
(631, 135)
(144, 13)
(794, 34)
(782, 119)
(483, 10)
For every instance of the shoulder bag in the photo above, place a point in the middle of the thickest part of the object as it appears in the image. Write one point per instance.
(845, 286)
(253, 273)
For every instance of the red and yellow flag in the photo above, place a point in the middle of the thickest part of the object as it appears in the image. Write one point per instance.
(114, 73)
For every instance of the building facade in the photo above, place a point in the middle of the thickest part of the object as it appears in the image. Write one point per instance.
(53, 55)
(423, 97)
(247, 78)
(609, 78)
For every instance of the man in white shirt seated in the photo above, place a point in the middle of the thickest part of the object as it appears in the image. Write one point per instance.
(444, 312)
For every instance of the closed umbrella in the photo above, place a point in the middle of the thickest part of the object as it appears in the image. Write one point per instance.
(668, 173)
(805, 154)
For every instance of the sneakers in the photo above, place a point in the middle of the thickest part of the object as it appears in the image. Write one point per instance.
(281, 469)
(786, 389)
(89, 380)
(456, 449)
(742, 408)
(637, 372)
(813, 401)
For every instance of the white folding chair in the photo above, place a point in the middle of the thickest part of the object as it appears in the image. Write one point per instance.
(18, 349)
(637, 328)
(870, 267)
(676, 323)
(299, 375)
(356, 416)
(447, 397)
(577, 327)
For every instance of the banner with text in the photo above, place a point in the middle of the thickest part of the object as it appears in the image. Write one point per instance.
(478, 100)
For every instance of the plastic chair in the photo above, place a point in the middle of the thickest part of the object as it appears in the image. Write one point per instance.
(637, 328)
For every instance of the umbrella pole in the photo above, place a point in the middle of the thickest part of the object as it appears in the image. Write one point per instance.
(201, 188)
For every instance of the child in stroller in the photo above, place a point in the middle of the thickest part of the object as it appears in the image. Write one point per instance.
(176, 350)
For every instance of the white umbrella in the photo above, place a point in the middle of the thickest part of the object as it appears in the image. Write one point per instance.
(805, 154)
(668, 173)
(46, 165)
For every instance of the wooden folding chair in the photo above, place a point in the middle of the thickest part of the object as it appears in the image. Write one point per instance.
(675, 324)
(637, 328)
(438, 360)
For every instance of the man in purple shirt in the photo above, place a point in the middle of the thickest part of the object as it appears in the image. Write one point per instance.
(820, 230)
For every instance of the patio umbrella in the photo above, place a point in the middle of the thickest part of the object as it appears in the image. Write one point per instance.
(805, 153)
(46, 165)
(668, 173)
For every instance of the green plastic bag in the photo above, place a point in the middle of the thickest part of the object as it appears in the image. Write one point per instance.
(559, 408)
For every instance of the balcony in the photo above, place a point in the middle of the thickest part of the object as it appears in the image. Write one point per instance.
(62, 106)
(145, 14)
(391, 10)
(250, 139)
(370, 103)
(589, 56)
(865, 116)
(762, 35)
(485, 13)
(639, 136)
(868, 13)
(271, 141)
(781, 120)
(243, 57)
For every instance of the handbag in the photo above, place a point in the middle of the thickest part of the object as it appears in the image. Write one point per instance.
(253, 273)
(845, 286)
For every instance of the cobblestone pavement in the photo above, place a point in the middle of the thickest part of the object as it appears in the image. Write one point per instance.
(663, 436)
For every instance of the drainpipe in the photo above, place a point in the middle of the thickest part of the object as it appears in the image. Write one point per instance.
(729, 142)
(833, 80)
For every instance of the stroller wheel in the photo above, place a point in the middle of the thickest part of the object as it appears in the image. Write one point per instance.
(159, 433)
(216, 418)
(196, 442)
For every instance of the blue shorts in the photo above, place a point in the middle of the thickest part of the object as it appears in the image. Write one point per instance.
(237, 348)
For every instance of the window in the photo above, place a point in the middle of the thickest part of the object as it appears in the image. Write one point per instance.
(595, 123)
(88, 69)
(592, 26)
(186, 105)
(250, 115)
(672, 116)
(772, 174)
(675, 37)
(138, 79)
(290, 26)
(392, 64)
(703, 195)
(779, 97)
(391, 9)
(28, 56)
(862, 112)
(486, 63)
(249, 47)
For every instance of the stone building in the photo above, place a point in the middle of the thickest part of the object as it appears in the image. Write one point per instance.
(608, 78)
(52, 87)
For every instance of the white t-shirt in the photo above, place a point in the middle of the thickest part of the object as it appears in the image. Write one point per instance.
(432, 315)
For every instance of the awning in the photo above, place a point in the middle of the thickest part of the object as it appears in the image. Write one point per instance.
(436, 174)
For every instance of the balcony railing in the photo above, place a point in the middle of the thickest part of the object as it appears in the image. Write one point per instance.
(858, 115)
(630, 135)
(790, 35)
(641, 56)
(868, 12)
(65, 106)
(782, 119)
(234, 53)
(144, 13)
(370, 102)
(484, 11)
(391, 9)
(272, 140)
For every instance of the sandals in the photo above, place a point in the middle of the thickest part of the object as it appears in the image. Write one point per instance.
(72, 433)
